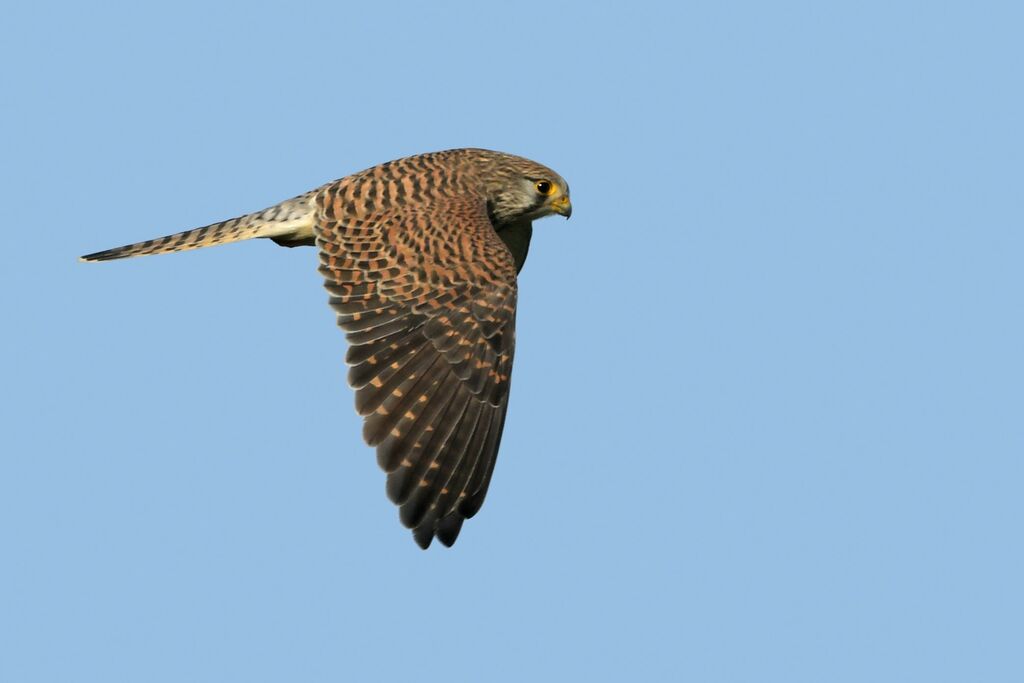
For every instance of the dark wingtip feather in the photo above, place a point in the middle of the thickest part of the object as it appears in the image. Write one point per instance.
(413, 510)
(423, 536)
(395, 487)
(448, 529)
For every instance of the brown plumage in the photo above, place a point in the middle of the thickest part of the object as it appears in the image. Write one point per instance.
(420, 258)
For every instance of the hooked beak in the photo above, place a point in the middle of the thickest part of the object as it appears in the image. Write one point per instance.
(562, 206)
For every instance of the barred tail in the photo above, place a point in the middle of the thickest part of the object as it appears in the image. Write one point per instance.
(289, 223)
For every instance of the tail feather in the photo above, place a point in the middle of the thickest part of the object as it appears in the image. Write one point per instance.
(289, 223)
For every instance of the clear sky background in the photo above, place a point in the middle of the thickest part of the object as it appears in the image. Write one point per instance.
(766, 420)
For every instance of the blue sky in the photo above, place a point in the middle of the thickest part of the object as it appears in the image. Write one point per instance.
(766, 411)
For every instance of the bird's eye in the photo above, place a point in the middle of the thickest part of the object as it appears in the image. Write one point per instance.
(544, 187)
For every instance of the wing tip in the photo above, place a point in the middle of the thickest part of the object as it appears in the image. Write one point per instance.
(423, 537)
(448, 529)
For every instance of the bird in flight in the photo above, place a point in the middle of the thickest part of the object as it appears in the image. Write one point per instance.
(420, 258)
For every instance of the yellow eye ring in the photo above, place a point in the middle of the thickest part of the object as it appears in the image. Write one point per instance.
(545, 187)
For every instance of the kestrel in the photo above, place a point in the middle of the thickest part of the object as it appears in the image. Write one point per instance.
(420, 258)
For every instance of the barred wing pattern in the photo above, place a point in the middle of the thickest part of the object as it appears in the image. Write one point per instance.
(426, 294)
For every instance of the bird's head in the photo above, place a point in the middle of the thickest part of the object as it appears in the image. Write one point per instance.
(522, 190)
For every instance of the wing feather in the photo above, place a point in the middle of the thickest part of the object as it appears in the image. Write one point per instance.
(426, 295)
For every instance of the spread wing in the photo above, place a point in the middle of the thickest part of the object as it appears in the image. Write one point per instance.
(426, 295)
